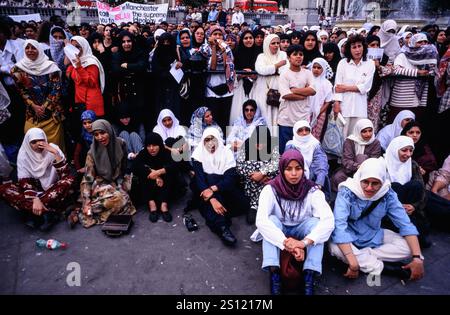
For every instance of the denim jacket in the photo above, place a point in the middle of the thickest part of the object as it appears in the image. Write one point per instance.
(367, 231)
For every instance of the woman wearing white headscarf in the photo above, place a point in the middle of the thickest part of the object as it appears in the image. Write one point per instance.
(322, 37)
(38, 81)
(216, 183)
(393, 130)
(269, 65)
(45, 180)
(358, 239)
(88, 76)
(319, 102)
(389, 39)
(316, 162)
(408, 183)
(358, 147)
(168, 126)
(419, 59)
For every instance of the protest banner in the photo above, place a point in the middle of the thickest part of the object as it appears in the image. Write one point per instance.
(26, 17)
(132, 12)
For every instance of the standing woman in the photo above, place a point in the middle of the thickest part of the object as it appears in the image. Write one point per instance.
(354, 79)
(389, 39)
(332, 55)
(129, 67)
(311, 49)
(245, 59)
(38, 81)
(269, 66)
(167, 95)
(44, 181)
(105, 185)
(293, 215)
(219, 87)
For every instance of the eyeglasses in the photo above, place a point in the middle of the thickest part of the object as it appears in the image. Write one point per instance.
(374, 184)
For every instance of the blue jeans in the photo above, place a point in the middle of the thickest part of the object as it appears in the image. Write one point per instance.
(314, 253)
(285, 134)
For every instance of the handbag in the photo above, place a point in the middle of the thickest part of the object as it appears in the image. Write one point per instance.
(117, 225)
(333, 139)
(273, 97)
(290, 271)
(220, 89)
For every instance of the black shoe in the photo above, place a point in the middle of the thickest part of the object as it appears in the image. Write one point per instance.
(251, 216)
(190, 223)
(396, 270)
(33, 221)
(309, 278)
(226, 236)
(153, 216)
(167, 216)
(275, 283)
(50, 219)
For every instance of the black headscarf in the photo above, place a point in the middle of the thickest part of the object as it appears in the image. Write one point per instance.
(259, 49)
(132, 56)
(260, 135)
(245, 58)
(165, 54)
(332, 47)
(154, 162)
(310, 55)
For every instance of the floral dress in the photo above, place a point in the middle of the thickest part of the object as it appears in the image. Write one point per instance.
(244, 168)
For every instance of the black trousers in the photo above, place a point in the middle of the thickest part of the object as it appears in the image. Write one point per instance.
(438, 211)
(221, 108)
(233, 200)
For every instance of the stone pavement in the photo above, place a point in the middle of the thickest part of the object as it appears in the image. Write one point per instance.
(164, 258)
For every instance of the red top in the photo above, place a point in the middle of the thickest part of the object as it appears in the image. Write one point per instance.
(87, 87)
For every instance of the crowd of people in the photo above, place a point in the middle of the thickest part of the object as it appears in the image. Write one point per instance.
(321, 138)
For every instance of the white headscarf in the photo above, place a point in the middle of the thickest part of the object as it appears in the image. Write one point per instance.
(321, 33)
(360, 30)
(41, 66)
(340, 44)
(393, 130)
(271, 59)
(31, 164)
(321, 83)
(87, 58)
(370, 168)
(402, 30)
(158, 33)
(214, 163)
(389, 41)
(400, 172)
(306, 144)
(173, 132)
(360, 143)
(417, 38)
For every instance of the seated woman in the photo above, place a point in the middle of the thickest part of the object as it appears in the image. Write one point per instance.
(439, 182)
(201, 119)
(216, 182)
(422, 152)
(393, 130)
(358, 147)
(293, 215)
(129, 129)
(155, 170)
(257, 163)
(358, 239)
(85, 141)
(316, 162)
(44, 183)
(168, 127)
(408, 183)
(245, 124)
(105, 186)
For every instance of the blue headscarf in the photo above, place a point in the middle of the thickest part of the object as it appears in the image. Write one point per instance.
(87, 115)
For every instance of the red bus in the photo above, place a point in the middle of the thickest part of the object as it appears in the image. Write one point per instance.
(271, 6)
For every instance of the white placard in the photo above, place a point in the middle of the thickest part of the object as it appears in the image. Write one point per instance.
(375, 53)
(26, 17)
(132, 12)
(176, 73)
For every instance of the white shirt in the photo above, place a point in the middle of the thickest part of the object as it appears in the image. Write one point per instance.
(314, 205)
(8, 58)
(196, 17)
(237, 18)
(354, 104)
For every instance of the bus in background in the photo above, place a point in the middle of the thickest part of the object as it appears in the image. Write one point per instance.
(261, 5)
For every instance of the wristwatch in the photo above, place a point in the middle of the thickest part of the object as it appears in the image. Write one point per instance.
(305, 242)
(418, 256)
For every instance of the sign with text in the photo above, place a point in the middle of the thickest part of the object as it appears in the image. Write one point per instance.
(131, 12)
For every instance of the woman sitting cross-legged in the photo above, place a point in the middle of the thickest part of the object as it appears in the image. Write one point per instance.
(257, 163)
(155, 169)
(358, 147)
(44, 183)
(216, 182)
(105, 185)
(358, 239)
(293, 215)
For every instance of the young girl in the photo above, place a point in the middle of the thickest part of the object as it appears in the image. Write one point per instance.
(83, 145)
(324, 95)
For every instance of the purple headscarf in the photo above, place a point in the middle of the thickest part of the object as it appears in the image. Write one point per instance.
(282, 187)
